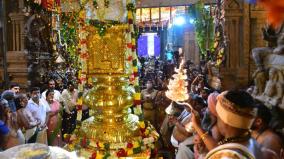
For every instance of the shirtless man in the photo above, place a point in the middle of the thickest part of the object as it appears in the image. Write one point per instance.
(262, 133)
(183, 136)
(179, 133)
(235, 116)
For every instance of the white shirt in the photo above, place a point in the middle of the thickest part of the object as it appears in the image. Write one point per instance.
(183, 150)
(183, 117)
(69, 99)
(57, 95)
(38, 111)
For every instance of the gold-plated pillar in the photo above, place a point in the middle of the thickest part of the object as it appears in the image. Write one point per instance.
(110, 97)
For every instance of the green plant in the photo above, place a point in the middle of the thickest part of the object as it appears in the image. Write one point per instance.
(204, 27)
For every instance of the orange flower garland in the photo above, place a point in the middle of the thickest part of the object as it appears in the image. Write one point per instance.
(275, 11)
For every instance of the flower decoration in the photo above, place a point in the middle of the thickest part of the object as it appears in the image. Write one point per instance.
(121, 153)
(129, 145)
(104, 150)
(94, 155)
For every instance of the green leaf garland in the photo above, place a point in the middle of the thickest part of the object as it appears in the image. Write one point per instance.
(204, 28)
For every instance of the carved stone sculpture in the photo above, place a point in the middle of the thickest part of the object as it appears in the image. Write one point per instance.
(273, 92)
(273, 38)
(37, 35)
(259, 80)
(280, 45)
(270, 90)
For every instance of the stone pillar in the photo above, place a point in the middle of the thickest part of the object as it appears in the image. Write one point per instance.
(16, 57)
(18, 20)
(191, 51)
(234, 68)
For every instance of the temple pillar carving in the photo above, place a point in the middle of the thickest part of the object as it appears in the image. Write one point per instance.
(16, 57)
(243, 23)
(18, 20)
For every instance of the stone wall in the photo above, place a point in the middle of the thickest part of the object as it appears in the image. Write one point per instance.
(17, 67)
(243, 30)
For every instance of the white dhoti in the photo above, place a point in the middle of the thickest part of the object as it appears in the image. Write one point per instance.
(184, 151)
(29, 133)
(42, 136)
(174, 141)
(21, 137)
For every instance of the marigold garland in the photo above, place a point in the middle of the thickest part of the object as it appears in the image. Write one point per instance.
(148, 137)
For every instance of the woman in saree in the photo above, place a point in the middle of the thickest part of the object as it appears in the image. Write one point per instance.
(54, 123)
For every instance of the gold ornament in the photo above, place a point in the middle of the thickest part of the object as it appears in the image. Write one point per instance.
(107, 53)
(110, 97)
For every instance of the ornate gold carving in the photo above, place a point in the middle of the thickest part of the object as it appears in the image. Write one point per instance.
(107, 52)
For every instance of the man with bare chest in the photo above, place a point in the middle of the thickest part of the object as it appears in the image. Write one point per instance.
(180, 134)
(261, 132)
